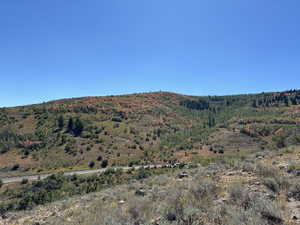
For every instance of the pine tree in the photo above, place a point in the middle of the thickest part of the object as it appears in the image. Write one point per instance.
(211, 121)
(294, 101)
(287, 101)
(60, 122)
(254, 104)
(71, 125)
(78, 128)
(104, 163)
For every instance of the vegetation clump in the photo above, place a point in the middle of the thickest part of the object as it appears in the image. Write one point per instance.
(58, 186)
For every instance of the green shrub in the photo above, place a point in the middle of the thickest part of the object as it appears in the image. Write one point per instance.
(9, 139)
(235, 192)
(115, 119)
(238, 216)
(247, 166)
(3, 209)
(294, 191)
(240, 196)
(104, 163)
(293, 167)
(204, 189)
(24, 181)
(266, 171)
(15, 167)
(268, 211)
(272, 184)
(283, 182)
(279, 141)
(143, 173)
(92, 164)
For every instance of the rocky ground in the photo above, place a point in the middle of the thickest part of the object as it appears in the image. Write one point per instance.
(260, 189)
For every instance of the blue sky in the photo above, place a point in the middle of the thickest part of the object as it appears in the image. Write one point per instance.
(56, 49)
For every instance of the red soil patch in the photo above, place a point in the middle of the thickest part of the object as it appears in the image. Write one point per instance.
(186, 155)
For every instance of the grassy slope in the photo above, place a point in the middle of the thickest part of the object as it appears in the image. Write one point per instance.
(142, 128)
(252, 191)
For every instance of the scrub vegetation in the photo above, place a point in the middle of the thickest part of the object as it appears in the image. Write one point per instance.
(245, 149)
(252, 190)
(141, 129)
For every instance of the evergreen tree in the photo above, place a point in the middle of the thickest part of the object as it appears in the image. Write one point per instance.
(92, 164)
(60, 122)
(255, 104)
(78, 128)
(294, 101)
(211, 121)
(287, 101)
(71, 125)
(104, 163)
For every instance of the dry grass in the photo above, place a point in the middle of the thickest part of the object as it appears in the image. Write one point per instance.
(213, 195)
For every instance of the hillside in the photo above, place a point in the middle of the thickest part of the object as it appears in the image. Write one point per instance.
(144, 128)
(261, 189)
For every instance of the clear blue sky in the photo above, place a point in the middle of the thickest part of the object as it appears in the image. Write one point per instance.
(52, 49)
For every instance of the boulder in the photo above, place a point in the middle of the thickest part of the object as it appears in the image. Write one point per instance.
(121, 202)
(283, 166)
(141, 192)
(183, 175)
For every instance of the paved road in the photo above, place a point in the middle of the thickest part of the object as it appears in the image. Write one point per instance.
(78, 172)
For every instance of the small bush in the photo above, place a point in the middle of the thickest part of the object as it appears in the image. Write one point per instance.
(238, 216)
(280, 141)
(170, 216)
(15, 167)
(3, 209)
(92, 164)
(24, 181)
(294, 191)
(104, 163)
(1, 183)
(248, 167)
(143, 173)
(272, 184)
(239, 196)
(283, 182)
(175, 205)
(204, 189)
(268, 211)
(266, 171)
(115, 119)
(138, 209)
(293, 168)
(250, 207)
(109, 171)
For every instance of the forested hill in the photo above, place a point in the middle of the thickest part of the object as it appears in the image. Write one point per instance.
(143, 128)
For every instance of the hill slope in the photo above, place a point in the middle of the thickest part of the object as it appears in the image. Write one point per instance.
(143, 128)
